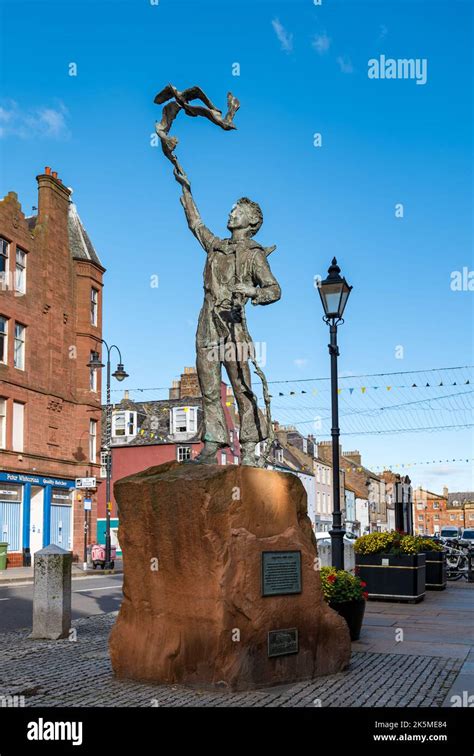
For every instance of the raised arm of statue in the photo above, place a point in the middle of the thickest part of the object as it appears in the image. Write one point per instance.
(177, 101)
(204, 236)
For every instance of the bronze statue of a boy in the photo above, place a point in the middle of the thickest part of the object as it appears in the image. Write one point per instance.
(236, 270)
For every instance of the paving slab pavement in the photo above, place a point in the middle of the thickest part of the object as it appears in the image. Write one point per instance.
(427, 672)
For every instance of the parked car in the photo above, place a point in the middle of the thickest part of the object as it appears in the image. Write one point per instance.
(450, 532)
(467, 537)
(324, 535)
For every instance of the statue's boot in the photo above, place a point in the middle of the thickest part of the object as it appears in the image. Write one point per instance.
(207, 455)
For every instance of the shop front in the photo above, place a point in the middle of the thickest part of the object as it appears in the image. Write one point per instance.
(35, 511)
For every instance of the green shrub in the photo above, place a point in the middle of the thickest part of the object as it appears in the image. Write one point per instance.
(339, 585)
(394, 542)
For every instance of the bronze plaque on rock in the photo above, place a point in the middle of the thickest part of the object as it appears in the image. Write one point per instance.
(283, 642)
(281, 573)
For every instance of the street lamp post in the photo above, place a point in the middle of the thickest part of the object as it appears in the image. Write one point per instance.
(334, 292)
(120, 374)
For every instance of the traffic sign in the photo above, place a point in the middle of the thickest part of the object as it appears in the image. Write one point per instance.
(87, 504)
(86, 483)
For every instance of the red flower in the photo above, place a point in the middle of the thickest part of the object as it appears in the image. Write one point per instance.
(365, 595)
(332, 578)
(363, 583)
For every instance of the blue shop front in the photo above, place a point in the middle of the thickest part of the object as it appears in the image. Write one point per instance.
(35, 511)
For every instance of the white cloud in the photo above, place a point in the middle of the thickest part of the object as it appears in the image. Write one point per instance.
(30, 123)
(284, 37)
(300, 362)
(321, 43)
(345, 64)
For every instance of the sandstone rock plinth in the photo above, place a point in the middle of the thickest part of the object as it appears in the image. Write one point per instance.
(193, 611)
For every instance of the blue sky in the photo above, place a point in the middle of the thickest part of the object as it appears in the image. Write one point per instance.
(303, 69)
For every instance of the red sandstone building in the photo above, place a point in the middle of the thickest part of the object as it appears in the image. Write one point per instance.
(50, 411)
(145, 434)
(429, 512)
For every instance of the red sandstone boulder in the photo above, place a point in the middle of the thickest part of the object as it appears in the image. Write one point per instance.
(193, 611)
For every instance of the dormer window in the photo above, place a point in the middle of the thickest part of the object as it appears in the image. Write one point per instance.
(124, 424)
(183, 420)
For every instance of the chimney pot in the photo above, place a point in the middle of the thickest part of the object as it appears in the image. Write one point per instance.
(47, 170)
(54, 174)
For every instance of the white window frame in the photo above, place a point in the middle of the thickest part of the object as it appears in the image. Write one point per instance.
(4, 336)
(236, 462)
(279, 456)
(93, 372)
(183, 453)
(4, 255)
(103, 464)
(18, 440)
(94, 305)
(129, 427)
(3, 422)
(223, 458)
(176, 420)
(93, 441)
(20, 270)
(21, 339)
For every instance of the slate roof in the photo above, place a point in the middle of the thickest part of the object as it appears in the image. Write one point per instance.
(460, 496)
(154, 421)
(80, 245)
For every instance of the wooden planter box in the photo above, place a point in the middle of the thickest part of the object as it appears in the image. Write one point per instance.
(393, 578)
(435, 570)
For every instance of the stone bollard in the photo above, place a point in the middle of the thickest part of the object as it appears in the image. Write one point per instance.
(52, 593)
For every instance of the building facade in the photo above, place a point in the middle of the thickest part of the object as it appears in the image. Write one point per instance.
(460, 508)
(151, 433)
(50, 412)
(430, 512)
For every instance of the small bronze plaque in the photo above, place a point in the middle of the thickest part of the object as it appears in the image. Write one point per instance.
(281, 572)
(283, 642)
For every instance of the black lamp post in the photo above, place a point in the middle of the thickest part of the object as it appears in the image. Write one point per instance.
(120, 375)
(334, 292)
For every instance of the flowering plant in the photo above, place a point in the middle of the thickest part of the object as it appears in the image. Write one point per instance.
(339, 585)
(430, 545)
(393, 542)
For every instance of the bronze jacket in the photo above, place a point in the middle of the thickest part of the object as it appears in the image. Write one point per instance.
(230, 263)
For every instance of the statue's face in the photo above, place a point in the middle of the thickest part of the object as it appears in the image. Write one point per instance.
(238, 217)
